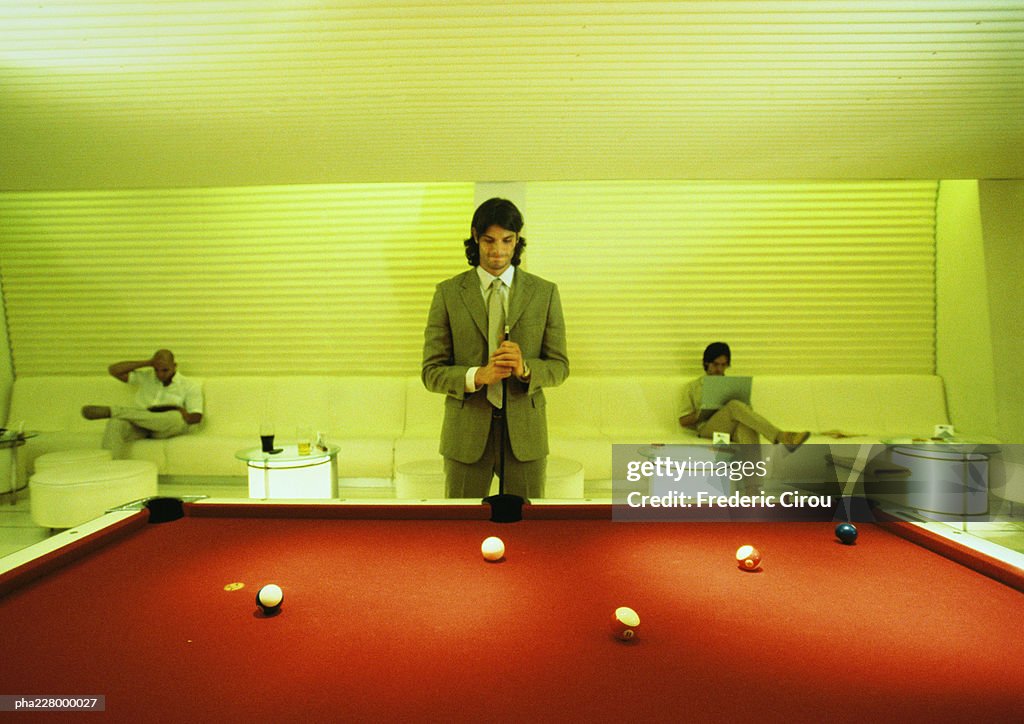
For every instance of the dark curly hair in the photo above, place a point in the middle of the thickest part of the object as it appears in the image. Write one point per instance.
(495, 212)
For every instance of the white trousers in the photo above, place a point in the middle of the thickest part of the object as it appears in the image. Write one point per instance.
(127, 424)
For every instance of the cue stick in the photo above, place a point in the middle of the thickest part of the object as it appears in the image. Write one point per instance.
(504, 508)
(504, 428)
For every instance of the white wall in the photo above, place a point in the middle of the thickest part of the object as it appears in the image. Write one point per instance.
(1002, 221)
(963, 333)
(6, 369)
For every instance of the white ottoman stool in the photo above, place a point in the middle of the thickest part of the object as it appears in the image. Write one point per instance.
(77, 458)
(424, 479)
(564, 479)
(66, 496)
(420, 480)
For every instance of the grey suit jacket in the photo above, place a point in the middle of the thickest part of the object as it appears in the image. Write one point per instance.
(456, 339)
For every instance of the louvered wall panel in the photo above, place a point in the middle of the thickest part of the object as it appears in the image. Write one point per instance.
(797, 277)
(305, 280)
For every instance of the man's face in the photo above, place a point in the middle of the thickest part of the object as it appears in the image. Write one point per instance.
(165, 369)
(496, 247)
(718, 365)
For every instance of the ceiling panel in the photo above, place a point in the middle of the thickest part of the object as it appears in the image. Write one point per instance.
(98, 94)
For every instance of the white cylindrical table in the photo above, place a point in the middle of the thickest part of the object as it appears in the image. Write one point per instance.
(289, 474)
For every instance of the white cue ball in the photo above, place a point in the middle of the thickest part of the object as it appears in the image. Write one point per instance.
(492, 548)
(270, 596)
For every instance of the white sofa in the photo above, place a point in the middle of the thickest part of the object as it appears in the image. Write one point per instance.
(363, 415)
(586, 415)
(382, 422)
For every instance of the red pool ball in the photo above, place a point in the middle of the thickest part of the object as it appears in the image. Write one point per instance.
(748, 558)
(625, 621)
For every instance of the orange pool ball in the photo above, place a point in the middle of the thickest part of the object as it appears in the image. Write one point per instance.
(624, 623)
(748, 558)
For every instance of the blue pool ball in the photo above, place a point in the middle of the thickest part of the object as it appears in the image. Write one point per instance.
(847, 533)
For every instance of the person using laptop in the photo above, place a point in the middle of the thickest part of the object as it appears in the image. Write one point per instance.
(734, 417)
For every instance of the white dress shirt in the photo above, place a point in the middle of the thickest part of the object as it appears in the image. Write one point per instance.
(486, 279)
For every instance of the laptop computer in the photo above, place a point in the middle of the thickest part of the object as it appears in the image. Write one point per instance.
(719, 389)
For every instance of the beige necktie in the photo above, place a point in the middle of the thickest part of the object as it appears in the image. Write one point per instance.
(495, 334)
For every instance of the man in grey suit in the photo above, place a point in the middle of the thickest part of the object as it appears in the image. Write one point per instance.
(467, 356)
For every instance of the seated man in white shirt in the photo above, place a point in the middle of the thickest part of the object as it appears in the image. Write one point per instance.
(166, 403)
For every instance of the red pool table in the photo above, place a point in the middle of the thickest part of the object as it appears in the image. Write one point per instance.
(391, 614)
